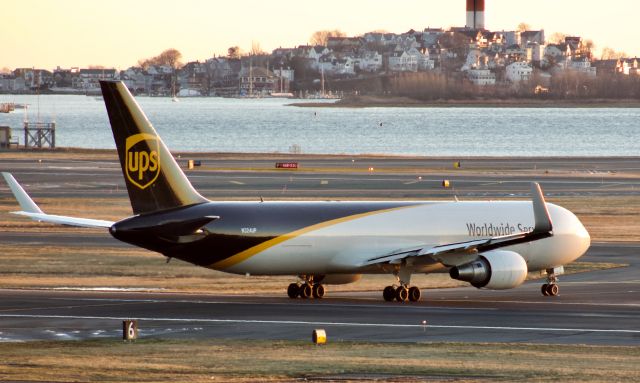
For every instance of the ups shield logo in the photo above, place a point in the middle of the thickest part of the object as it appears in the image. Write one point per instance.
(142, 159)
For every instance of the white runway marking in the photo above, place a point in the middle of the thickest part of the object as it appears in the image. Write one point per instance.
(549, 303)
(342, 324)
(405, 307)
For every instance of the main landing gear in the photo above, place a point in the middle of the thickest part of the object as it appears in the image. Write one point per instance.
(306, 290)
(401, 293)
(551, 288)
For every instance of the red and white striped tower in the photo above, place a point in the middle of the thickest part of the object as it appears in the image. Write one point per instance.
(475, 14)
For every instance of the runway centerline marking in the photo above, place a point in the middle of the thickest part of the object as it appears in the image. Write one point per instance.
(320, 323)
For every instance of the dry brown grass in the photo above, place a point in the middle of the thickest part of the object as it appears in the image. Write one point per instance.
(34, 266)
(608, 219)
(249, 361)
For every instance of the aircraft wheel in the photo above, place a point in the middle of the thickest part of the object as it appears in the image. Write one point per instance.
(318, 291)
(389, 293)
(293, 290)
(553, 290)
(402, 294)
(543, 289)
(306, 291)
(414, 294)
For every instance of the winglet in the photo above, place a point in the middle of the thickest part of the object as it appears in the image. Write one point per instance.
(26, 203)
(540, 213)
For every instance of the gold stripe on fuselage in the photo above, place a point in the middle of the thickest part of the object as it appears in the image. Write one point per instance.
(246, 254)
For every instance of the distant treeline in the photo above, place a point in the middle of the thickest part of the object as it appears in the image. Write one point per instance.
(431, 86)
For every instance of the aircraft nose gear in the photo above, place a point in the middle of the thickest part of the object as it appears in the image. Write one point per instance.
(307, 289)
(551, 288)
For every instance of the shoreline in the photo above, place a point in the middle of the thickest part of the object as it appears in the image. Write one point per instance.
(405, 102)
(61, 151)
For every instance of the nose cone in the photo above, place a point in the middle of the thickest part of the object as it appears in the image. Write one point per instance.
(570, 238)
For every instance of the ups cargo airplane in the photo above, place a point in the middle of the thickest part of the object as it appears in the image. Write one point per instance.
(491, 245)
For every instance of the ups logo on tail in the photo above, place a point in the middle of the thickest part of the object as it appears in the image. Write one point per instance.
(142, 159)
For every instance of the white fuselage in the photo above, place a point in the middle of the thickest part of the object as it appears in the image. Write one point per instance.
(344, 247)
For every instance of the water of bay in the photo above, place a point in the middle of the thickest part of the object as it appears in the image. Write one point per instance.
(269, 125)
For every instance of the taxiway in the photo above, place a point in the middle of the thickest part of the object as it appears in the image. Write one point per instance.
(600, 307)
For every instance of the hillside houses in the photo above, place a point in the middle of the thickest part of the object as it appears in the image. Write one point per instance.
(480, 57)
(88, 79)
(628, 66)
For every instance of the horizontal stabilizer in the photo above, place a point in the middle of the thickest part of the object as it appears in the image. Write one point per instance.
(30, 209)
(64, 220)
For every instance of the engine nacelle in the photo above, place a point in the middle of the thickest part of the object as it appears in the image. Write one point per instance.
(495, 270)
(340, 279)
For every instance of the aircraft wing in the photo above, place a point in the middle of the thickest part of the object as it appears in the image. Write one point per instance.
(455, 254)
(30, 209)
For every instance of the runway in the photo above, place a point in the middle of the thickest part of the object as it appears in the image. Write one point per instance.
(599, 308)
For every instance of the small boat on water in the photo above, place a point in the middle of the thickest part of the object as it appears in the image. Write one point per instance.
(7, 107)
(282, 94)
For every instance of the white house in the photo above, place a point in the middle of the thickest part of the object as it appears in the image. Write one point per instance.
(337, 65)
(401, 61)
(12, 83)
(89, 78)
(481, 77)
(628, 66)
(315, 53)
(518, 71)
(583, 65)
(369, 61)
(422, 59)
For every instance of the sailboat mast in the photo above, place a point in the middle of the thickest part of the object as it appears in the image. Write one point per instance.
(250, 76)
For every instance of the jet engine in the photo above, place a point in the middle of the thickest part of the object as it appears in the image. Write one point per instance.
(495, 270)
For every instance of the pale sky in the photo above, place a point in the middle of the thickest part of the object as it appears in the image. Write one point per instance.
(117, 33)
